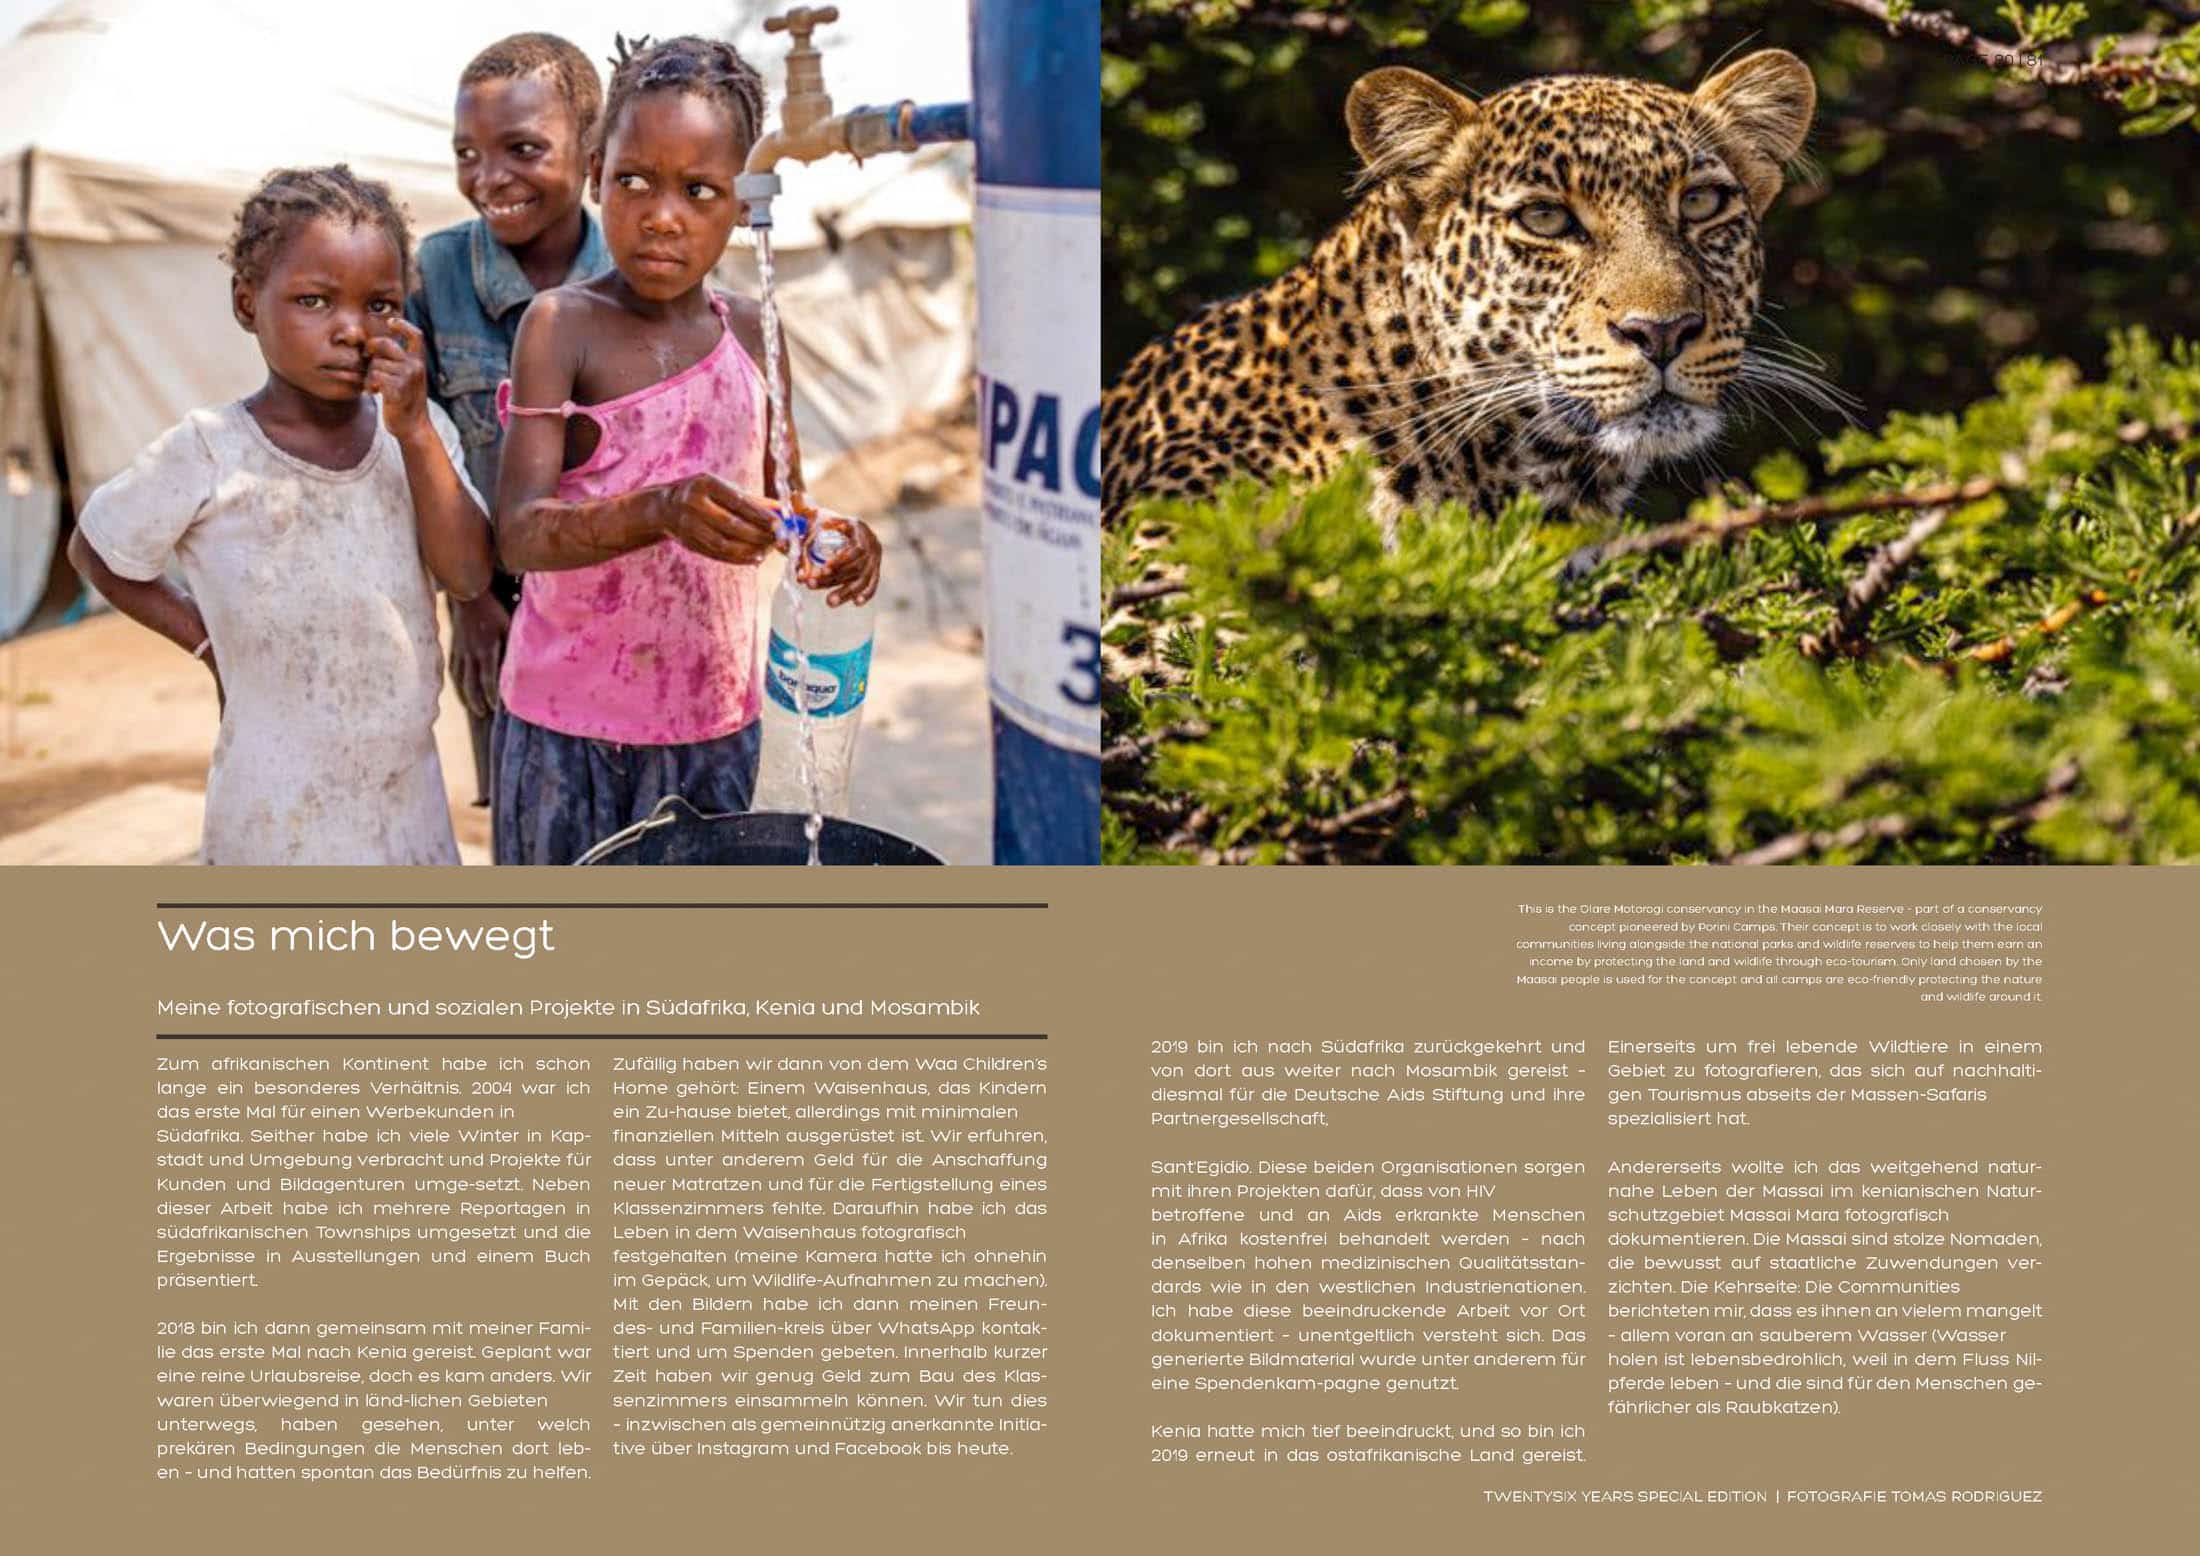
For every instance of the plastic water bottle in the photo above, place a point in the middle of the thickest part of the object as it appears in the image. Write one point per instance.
(839, 642)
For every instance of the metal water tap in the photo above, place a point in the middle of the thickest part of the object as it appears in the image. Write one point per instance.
(807, 101)
(810, 131)
(806, 106)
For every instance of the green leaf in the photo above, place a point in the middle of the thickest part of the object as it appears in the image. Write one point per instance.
(1492, 18)
(1781, 477)
(2160, 122)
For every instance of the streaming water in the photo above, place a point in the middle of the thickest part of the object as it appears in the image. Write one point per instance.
(796, 534)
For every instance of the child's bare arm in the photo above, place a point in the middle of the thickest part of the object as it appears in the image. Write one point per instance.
(535, 531)
(539, 532)
(454, 532)
(154, 603)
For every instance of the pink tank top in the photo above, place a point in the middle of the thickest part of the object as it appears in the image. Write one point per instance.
(656, 647)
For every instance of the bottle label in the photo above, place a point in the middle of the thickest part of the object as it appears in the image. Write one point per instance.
(835, 685)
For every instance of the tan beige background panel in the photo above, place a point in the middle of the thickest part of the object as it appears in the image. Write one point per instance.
(1110, 963)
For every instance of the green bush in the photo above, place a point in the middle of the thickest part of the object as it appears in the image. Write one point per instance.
(1978, 642)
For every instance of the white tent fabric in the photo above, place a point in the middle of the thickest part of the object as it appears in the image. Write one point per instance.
(130, 130)
(150, 117)
(877, 329)
(30, 496)
(15, 13)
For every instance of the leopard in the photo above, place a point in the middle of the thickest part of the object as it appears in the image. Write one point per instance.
(1547, 290)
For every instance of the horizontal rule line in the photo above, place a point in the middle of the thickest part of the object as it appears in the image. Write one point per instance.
(601, 1037)
(169, 907)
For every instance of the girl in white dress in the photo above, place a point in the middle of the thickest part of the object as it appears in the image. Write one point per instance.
(308, 521)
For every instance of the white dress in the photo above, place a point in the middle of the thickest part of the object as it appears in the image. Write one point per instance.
(323, 620)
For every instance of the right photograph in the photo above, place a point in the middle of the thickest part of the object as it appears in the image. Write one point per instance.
(1664, 432)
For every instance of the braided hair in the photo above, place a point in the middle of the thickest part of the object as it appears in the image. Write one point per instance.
(290, 197)
(524, 54)
(704, 67)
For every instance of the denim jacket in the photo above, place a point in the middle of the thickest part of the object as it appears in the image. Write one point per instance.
(471, 298)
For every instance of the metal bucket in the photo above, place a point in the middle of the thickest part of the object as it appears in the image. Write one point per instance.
(677, 833)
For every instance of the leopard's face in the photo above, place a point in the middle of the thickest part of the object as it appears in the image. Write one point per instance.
(1579, 255)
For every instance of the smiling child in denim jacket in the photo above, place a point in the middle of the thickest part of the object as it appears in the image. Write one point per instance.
(526, 105)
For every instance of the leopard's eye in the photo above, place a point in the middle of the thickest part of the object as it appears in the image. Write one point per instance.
(1704, 201)
(1547, 219)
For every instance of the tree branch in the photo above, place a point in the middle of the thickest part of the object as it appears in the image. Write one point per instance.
(1862, 597)
(1150, 26)
(2106, 80)
(1146, 589)
(1304, 841)
(2054, 621)
(1795, 845)
(2061, 779)
(1325, 24)
(1331, 826)
(1809, 510)
(1971, 133)
(1125, 751)
(2182, 534)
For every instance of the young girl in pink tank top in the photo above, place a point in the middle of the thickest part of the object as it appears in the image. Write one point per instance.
(637, 434)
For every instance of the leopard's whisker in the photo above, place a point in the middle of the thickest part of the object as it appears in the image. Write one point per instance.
(1463, 391)
(1439, 409)
(1448, 432)
(1756, 403)
(1799, 386)
(1449, 375)
(1781, 336)
(1428, 418)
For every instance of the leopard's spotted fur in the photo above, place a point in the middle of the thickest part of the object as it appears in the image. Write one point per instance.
(1462, 332)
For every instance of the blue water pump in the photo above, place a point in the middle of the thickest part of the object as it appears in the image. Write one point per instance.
(1035, 65)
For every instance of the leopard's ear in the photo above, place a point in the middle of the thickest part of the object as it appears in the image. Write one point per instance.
(1765, 101)
(1404, 126)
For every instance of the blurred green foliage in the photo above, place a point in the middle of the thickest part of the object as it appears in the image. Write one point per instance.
(1978, 641)
(1953, 216)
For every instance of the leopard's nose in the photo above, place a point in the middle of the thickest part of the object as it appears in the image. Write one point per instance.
(1661, 340)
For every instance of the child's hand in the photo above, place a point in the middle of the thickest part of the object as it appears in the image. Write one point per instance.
(711, 519)
(852, 574)
(478, 630)
(397, 370)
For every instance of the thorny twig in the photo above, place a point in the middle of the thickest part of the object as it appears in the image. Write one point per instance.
(1969, 133)
(1324, 846)
(1144, 590)
(2106, 79)
(1998, 649)
(2061, 779)
(1124, 751)
(1810, 510)
(1331, 826)
(1846, 635)
(1137, 30)
(1796, 844)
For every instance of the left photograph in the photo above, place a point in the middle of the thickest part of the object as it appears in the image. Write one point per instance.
(552, 438)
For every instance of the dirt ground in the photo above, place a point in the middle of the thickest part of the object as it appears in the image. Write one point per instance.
(105, 729)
